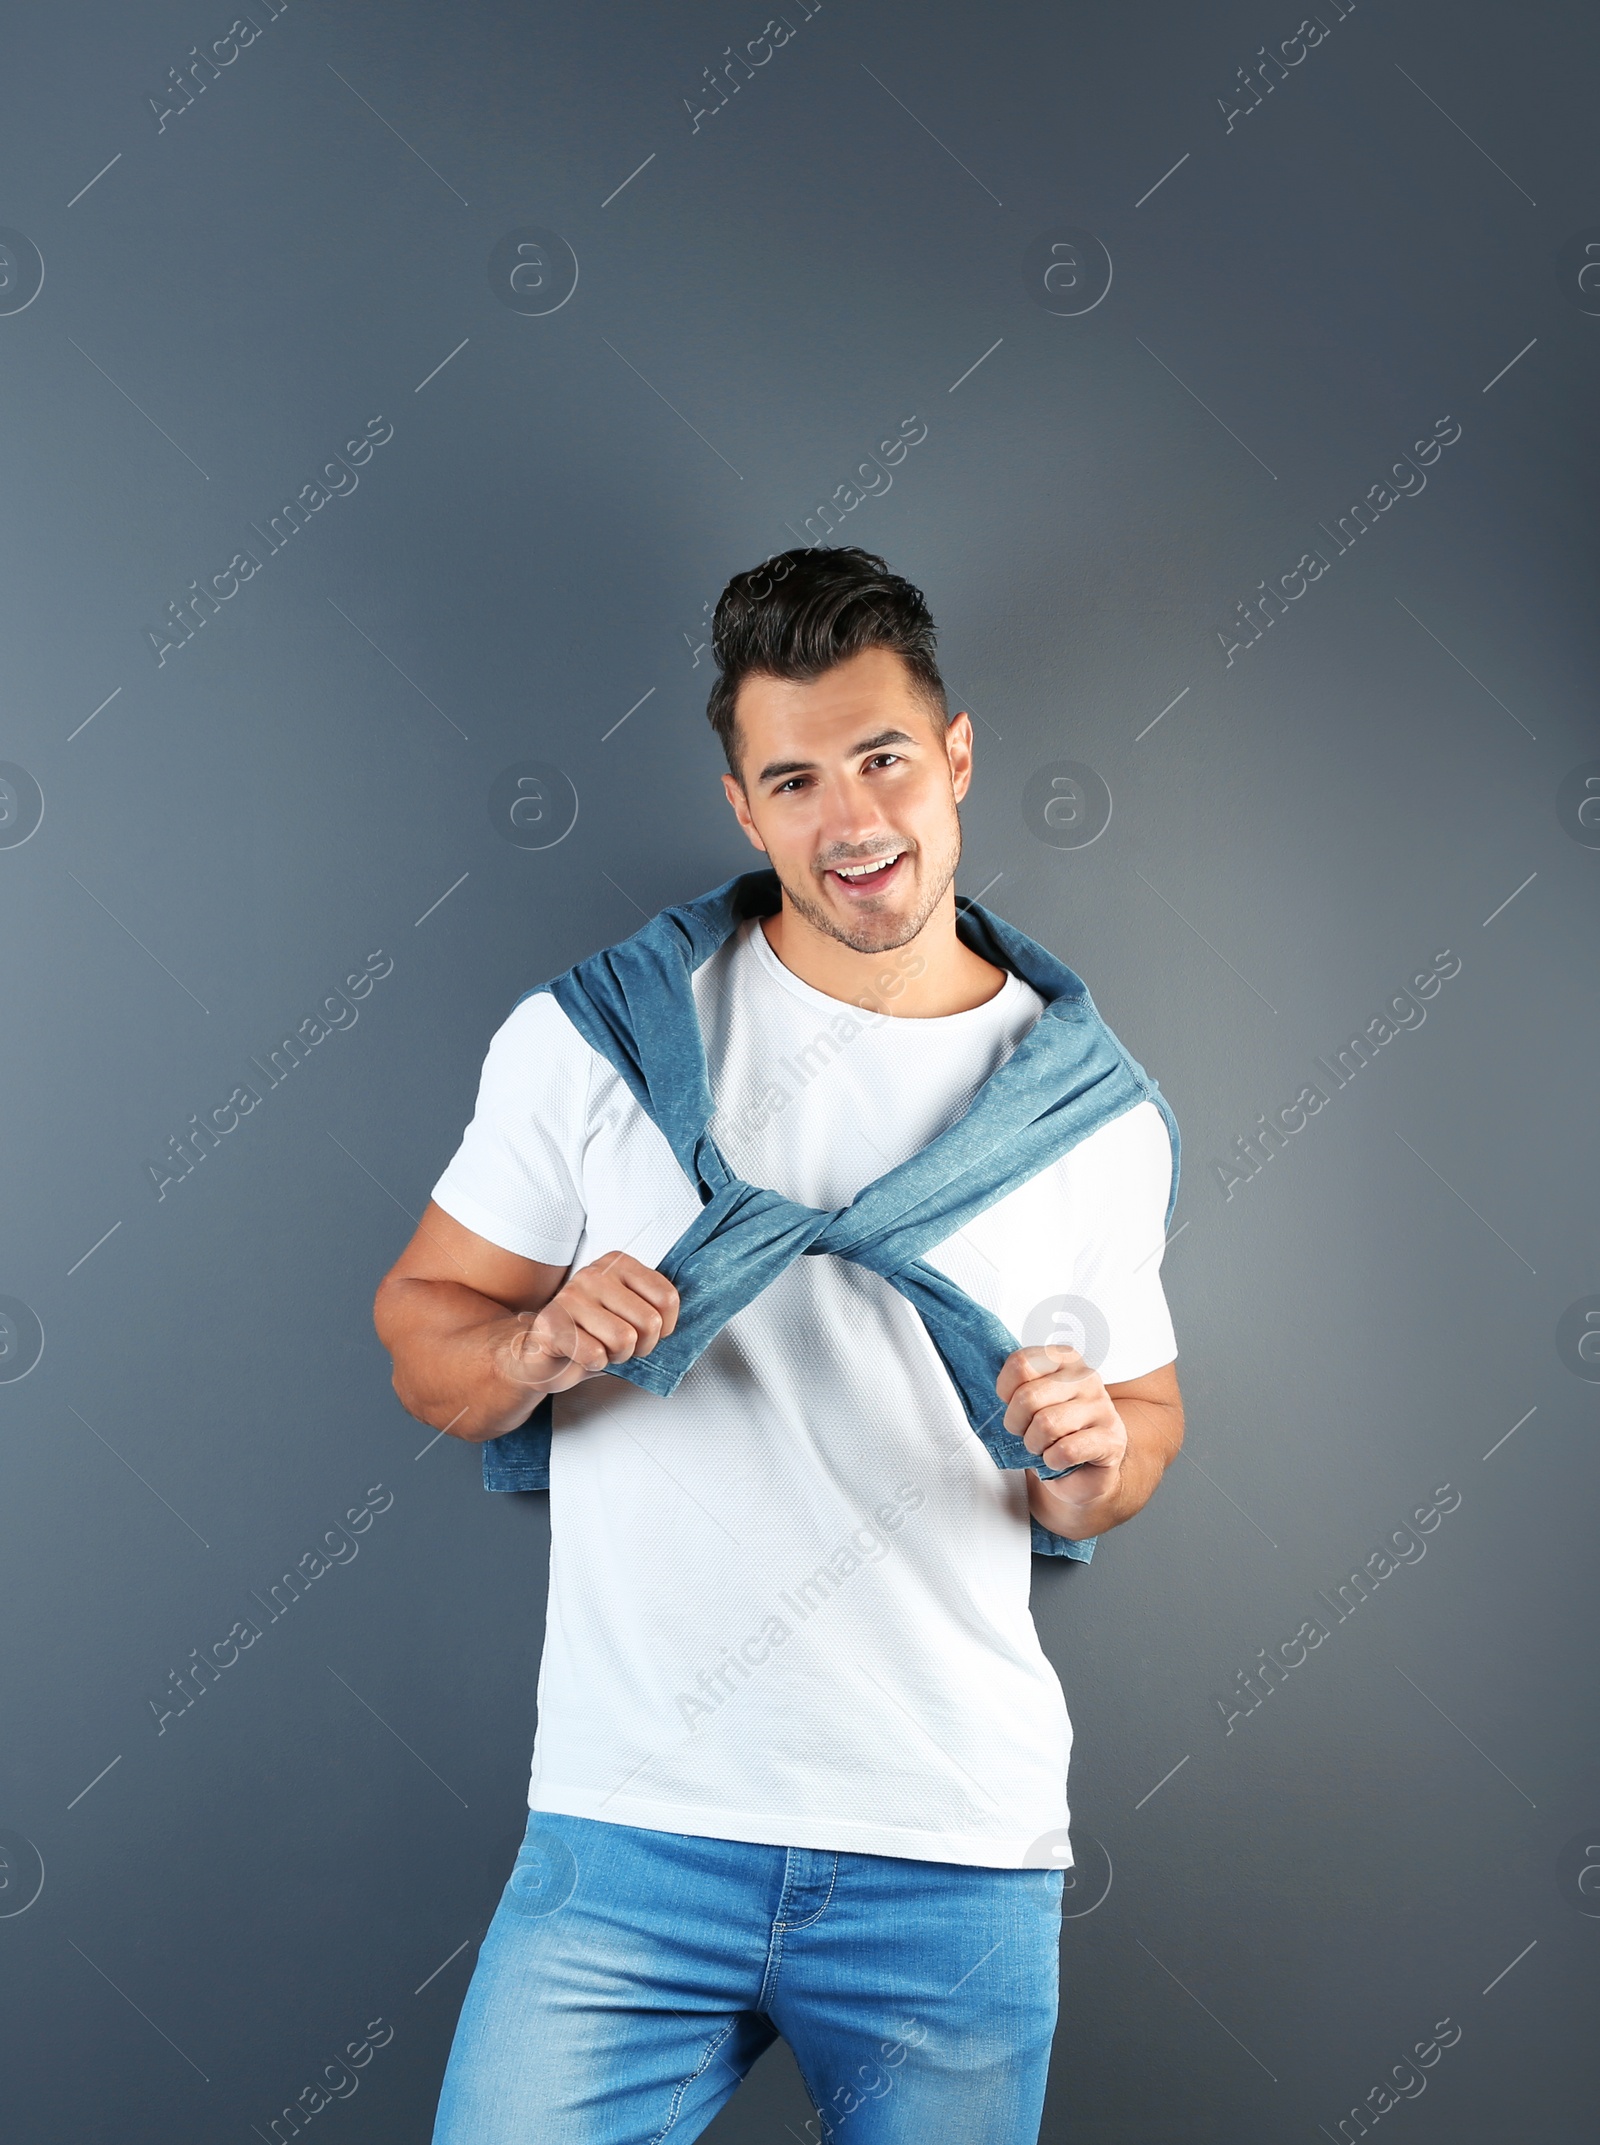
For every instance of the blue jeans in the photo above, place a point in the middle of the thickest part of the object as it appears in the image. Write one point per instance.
(629, 1979)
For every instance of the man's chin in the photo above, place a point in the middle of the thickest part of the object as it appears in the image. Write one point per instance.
(867, 927)
(889, 934)
(863, 930)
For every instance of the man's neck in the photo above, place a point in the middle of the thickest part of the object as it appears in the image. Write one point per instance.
(929, 976)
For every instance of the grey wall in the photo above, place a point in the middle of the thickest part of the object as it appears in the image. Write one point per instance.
(232, 824)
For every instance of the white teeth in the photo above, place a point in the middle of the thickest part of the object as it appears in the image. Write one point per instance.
(862, 871)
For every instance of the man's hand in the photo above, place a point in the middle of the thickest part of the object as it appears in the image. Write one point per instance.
(479, 1335)
(1058, 1407)
(1118, 1444)
(604, 1313)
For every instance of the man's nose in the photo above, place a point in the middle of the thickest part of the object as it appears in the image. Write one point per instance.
(850, 817)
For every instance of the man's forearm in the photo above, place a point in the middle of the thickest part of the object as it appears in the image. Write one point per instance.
(1155, 1432)
(449, 1349)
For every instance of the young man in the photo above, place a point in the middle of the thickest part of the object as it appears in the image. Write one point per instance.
(800, 1765)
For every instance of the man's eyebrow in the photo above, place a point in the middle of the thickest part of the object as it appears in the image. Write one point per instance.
(776, 768)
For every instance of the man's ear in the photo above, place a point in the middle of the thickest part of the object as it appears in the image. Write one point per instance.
(958, 750)
(733, 790)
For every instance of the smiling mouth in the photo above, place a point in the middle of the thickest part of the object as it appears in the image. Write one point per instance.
(866, 878)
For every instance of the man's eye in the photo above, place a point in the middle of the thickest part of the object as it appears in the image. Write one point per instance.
(882, 759)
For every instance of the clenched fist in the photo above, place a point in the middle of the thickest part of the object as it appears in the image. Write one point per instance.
(1061, 1410)
(602, 1314)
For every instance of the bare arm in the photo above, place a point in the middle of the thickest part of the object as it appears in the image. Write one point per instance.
(479, 1336)
(1119, 1439)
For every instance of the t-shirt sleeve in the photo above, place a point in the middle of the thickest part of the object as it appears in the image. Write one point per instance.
(1124, 1176)
(515, 1178)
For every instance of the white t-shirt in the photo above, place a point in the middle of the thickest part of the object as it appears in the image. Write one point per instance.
(789, 1604)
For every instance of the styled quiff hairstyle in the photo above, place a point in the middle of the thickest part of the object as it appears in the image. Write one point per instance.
(802, 612)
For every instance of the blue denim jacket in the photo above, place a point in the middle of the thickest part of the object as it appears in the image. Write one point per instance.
(1069, 1075)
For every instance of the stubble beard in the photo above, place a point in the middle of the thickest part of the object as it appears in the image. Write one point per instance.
(886, 933)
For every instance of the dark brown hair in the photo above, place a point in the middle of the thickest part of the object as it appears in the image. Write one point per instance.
(801, 612)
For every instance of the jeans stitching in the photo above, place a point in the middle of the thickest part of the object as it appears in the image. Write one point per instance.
(805, 2080)
(769, 1979)
(699, 2071)
(833, 1879)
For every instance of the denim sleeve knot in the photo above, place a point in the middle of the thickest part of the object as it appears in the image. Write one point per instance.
(634, 1004)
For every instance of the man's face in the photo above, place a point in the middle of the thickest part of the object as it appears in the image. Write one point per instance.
(854, 770)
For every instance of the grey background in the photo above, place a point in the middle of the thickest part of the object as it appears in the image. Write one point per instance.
(306, 781)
